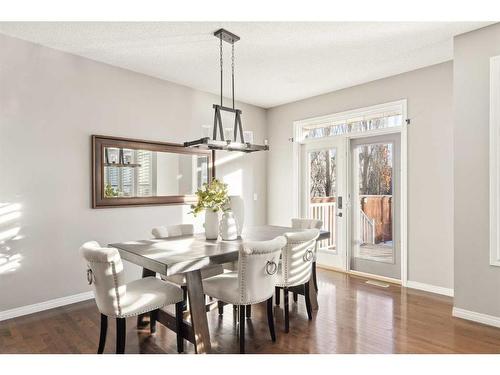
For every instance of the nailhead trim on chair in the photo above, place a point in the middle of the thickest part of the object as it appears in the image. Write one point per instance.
(241, 282)
(120, 315)
(115, 281)
(241, 271)
(146, 311)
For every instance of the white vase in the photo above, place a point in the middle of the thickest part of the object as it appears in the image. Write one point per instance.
(238, 209)
(211, 225)
(228, 229)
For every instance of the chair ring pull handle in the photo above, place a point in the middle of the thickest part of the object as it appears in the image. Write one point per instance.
(271, 268)
(90, 276)
(308, 256)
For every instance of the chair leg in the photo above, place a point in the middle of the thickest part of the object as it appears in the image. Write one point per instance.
(308, 300)
(235, 313)
(220, 307)
(242, 329)
(102, 336)
(315, 280)
(295, 297)
(184, 296)
(270, 319)
(120, 335)
(277, 294)
(287, 312)
(145, 273)
(249, 311)
(153, 317)
(179, 308)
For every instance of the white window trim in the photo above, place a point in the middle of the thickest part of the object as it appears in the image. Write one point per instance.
(494, 160)
(296, 174)
(399, 105)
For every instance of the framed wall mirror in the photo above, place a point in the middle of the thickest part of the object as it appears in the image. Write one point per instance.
(130, 172)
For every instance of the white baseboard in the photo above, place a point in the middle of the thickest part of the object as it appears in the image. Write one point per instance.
(430, 288)
(476, 317)
(47, 305)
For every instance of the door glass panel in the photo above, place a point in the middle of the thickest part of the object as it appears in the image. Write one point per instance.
(373, 202)
(323, 192)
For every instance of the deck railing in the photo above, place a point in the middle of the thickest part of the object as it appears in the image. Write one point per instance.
(325, 210)
(366, 229)
(375, 218)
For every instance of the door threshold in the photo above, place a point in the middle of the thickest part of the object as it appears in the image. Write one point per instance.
(374, 277)
(364, 275)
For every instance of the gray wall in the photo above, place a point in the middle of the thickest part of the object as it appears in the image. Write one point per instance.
(50, 104)
(476, 282)
(430, 160)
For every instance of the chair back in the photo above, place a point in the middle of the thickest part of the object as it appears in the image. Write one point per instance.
(105, 273)
(297, 257)
(173, 230)
(258, 269)
(306, 224)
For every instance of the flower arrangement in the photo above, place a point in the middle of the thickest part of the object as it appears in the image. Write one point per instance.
(212, 196)
(110, 192)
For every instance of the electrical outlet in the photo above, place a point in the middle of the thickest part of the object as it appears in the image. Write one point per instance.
(254, 196)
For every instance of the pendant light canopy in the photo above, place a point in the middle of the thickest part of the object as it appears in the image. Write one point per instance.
(218, 142)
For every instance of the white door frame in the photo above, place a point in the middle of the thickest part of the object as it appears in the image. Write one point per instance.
(297, 174)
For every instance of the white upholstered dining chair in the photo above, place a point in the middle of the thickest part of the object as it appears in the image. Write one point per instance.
(253, 282)
(173, 230)
(295, 268)
(309, 224)
(306, 224)
(179, 279)
(120, 300)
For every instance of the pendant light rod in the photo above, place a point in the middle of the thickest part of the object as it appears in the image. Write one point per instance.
(232, 69)
(230, 38)
(221, 71)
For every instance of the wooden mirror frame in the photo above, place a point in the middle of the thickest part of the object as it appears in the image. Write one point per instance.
(99, 142)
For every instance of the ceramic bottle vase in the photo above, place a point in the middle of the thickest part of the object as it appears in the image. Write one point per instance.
(228, 229)
(238, 209)
(211, 225)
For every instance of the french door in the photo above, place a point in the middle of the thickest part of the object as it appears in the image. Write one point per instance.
(322, 194)
(356, 194)
(375, 191)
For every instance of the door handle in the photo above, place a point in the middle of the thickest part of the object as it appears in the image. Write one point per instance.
(339, 214)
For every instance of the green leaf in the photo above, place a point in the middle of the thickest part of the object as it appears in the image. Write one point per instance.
(212, 196)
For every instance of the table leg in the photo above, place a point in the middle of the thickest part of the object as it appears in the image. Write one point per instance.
(198, 312)
(313, 295)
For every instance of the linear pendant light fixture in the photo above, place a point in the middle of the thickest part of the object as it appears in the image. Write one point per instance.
(237, 143)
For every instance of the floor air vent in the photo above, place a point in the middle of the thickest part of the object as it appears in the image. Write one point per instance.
(377, 283)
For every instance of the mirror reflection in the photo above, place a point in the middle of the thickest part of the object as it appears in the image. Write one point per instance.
(143, 173)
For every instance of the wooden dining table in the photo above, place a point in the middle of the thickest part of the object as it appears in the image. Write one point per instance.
(189, 255)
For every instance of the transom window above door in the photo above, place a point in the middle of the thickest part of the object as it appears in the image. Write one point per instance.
(389, 115)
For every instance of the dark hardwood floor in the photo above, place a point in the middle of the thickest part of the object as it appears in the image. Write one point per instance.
(354, 317)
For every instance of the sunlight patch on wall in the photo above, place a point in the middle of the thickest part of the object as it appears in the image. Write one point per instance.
(6, 208)
(9, 263)
(234, 180)
(228, 158)
(9, 217)
(10, 257)
(8, 234)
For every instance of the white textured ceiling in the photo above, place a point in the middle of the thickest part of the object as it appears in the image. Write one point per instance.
(276, 62)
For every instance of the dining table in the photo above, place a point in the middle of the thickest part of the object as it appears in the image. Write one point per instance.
(188, 255)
